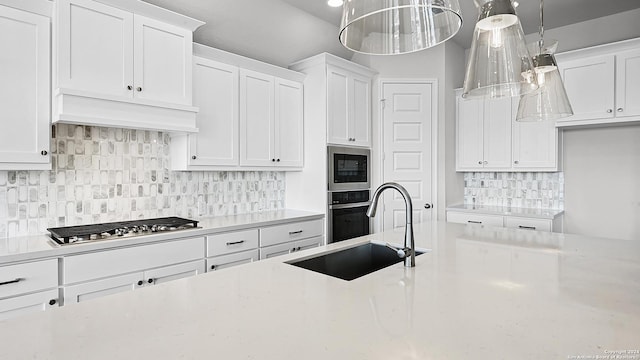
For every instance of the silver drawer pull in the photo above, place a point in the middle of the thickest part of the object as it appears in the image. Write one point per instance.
(235, 243)
(295, 232)
(474, 222)
(11, 281)
(527, 227)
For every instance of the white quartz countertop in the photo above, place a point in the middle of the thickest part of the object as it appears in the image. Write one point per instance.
(507, 210)
(481, 293)
(25, 248)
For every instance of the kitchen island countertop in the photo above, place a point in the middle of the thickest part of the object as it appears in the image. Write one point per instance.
(481, 293)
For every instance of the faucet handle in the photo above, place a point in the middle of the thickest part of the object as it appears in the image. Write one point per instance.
(401, 252)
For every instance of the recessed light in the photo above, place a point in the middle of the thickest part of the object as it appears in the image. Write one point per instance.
(335, 3)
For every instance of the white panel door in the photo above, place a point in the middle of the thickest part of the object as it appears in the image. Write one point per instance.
(497, 133)
(215, 92)
(337, 106)
(469, 133)
(163, 61)
(408, 116)
(95, 48)
(289, 122)
(590, 87)
(24, 89)
(360, 124)
(95, 289)
(256, 119)
(628, 83)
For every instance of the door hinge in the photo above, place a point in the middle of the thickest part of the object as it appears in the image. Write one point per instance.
(384, 102)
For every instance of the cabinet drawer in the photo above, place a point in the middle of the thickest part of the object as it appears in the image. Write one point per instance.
(28, 277)
(469, 218)
(221, 244)
(26, 304)
(527, 223)
(121, 261)
(290, 232)
(226, 261)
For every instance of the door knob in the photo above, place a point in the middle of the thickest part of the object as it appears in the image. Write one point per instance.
(427, 206)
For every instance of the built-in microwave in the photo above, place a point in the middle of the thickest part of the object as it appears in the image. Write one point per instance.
(349, 168)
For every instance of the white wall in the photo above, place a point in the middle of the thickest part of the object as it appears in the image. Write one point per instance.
(602, 186)
(452, 181)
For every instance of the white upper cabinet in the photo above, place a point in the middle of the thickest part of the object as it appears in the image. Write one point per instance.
(489, 139)
(24, 89)
(123, 64)
(602, 83)
(349, 107)
(483, 134)
(271, 121)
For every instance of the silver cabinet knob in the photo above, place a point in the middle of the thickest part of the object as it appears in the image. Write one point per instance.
(609, 111)
(620, 109)
(139, 89)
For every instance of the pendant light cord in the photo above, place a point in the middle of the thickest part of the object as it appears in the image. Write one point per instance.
(541, 42)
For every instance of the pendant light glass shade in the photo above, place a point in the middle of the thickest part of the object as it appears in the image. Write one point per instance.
(390, 27)
(499, 64)
(550, 101)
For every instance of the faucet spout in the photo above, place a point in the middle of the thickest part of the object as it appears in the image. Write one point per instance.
(409, 241)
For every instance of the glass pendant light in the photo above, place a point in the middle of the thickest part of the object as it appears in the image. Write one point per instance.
(550, 101)
(499, 64)
(390, 27)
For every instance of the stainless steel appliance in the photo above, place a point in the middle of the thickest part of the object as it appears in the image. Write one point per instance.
(349, 168)
(348, 215)
(86, 233)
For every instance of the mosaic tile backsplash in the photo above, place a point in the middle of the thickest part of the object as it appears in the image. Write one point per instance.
(106, 174)
(526, 190)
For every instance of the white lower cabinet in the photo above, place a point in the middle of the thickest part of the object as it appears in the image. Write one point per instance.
(231, 249)
(512, 222)
(290, 247)
(28, 287)
(87, 276)
(227, 261)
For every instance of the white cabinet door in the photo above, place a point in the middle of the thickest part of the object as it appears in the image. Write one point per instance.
(163, 61)
(469, 129)
(628, 83)
(590, 86)
(288, 123)
(497, 133)
(94, 289)
(535, 145)
(337, 106)
(24, 89)
(227, 261)
(25, 304)
(256, 119)
(359, 105)
(173, 272)
(215, 92)
(277, 250)
(95, 48)
(309, 243)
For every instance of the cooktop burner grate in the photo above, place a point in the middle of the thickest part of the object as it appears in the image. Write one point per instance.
(83, 233)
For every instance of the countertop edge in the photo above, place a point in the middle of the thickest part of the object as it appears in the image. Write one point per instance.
(515, 212)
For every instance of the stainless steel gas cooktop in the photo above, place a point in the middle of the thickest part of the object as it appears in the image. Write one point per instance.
(87, 233)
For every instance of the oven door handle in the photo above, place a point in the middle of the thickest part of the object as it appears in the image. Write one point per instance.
(349, 206)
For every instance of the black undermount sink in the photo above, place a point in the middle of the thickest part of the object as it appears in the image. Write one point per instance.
(352, 263)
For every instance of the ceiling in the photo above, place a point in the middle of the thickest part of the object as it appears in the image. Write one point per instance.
(283, 31)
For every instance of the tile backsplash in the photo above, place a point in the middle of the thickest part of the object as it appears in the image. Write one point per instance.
(106, 174)
(527, 190)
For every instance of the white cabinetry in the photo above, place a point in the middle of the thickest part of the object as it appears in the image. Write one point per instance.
(87, 276)
(349, 107)
(489, 139)
(215, 93)
(28, 287)
(25, 88)
(271, 121)
(288, 238)
(131, 70)
(231, 249)
(513, 222)
(601, 83)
